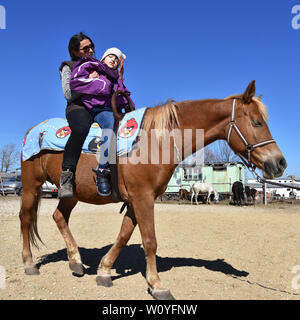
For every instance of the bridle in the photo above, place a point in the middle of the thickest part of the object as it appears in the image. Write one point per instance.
(249, 147)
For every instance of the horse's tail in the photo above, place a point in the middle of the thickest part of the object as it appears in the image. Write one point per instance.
(33, 231)
(30, 215)
(31, 195)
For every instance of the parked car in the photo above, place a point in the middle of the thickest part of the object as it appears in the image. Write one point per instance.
(49, 189)
(11, 185)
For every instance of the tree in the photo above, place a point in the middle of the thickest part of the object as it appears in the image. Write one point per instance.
(209, 154)
(223, 153)
(9, 156)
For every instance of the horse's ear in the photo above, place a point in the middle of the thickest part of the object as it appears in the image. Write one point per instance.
(259, 97)
(249, 93)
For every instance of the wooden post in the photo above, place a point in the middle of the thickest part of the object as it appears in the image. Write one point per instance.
(1, 182)
(265, 193)
(230, 191)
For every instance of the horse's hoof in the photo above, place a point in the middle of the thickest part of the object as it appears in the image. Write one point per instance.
(77, 268)
(161, 294)
(32, 271)
(104, 281)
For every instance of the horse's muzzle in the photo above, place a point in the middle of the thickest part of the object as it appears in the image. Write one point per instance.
(274, 168)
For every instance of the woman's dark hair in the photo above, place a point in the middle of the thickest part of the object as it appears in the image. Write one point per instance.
(74, 44)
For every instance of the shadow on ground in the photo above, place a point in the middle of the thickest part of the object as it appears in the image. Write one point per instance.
(132, 261)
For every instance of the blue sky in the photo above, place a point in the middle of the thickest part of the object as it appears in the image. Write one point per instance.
(190, 49)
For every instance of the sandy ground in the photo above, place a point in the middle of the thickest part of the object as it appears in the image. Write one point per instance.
(204, 252)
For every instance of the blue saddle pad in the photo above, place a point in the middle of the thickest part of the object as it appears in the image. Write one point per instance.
(54, 133)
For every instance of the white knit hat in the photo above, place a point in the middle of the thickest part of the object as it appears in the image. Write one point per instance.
(117, 52)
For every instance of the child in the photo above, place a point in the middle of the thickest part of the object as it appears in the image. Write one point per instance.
(97, 81)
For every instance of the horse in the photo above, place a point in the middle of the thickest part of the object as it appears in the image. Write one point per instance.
(183, 194)
(238, 193)
(141, 183)
(250, 193)
(203, 187)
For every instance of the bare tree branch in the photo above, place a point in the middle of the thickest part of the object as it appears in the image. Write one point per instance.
(221, 152)
(209, 155)
(9, 156)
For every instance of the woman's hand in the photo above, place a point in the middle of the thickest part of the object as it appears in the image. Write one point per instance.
(94, 75)
(121, 69)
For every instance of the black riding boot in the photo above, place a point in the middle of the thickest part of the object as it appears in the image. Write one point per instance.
(66, 185)
(103, 182)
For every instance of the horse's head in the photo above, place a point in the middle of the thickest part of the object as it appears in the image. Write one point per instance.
(249, 134)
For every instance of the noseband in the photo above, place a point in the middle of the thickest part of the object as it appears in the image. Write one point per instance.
(249, 147)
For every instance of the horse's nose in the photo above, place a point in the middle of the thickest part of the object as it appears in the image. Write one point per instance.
(282, 164)
(275, 167)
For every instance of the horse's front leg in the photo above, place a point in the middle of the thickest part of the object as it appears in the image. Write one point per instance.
(127, 228)
(144, 213)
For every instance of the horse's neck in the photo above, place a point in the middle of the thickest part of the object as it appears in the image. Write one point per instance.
(210, 115)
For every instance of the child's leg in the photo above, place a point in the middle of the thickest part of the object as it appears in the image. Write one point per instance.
(106, 121)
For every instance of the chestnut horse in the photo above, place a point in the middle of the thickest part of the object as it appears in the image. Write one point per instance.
(183, 194)
(140, 184)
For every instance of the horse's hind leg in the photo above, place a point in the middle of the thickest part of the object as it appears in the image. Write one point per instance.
(208, 198)
(32, 180)
(61, 217)
(128, 225)
(27, 215)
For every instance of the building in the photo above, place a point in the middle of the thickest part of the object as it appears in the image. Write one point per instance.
(221, 175)
(278, 191)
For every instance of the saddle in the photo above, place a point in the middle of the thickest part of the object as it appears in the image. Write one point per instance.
(52, 134)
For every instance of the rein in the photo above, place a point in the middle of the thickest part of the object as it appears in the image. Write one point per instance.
(249, 147)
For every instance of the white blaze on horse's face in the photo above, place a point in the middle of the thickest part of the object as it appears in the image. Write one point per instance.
(267, 157)
(255, 142)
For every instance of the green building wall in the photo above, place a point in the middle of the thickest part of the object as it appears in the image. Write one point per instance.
(221, 175)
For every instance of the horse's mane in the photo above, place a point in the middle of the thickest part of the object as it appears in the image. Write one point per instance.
(165, 116)
(161, 117)
(261, 106)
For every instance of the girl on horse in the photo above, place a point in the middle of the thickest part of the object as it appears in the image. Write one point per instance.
(96, 81)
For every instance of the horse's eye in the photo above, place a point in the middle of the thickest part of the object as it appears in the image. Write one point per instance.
(256, 123)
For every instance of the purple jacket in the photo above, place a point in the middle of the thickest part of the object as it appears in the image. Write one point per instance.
(97, 92)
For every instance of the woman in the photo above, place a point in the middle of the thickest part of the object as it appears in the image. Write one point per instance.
(79, 118)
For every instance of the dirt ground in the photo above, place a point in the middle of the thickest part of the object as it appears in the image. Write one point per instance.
(204, 252)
